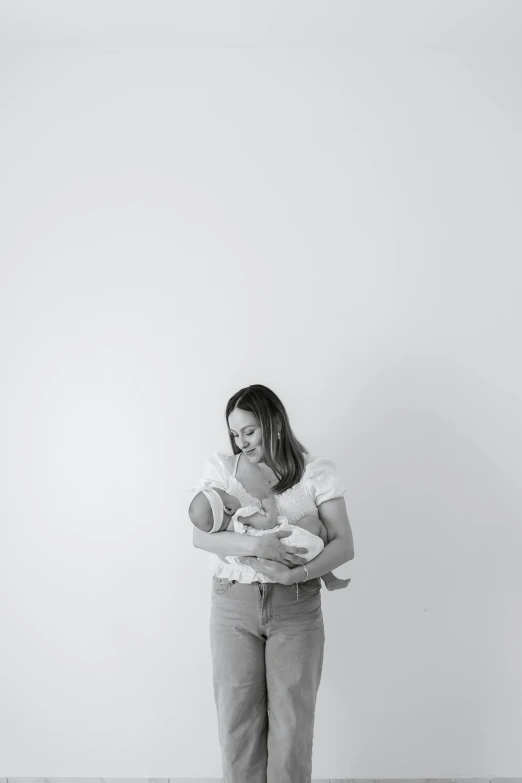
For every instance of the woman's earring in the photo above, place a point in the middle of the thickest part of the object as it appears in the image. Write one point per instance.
(279, 435)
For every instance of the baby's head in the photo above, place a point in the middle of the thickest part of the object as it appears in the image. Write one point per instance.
(212, 508)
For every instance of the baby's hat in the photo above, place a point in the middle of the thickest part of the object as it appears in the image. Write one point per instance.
(216, 503)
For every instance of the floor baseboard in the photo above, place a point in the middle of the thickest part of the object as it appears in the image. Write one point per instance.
(219, 780)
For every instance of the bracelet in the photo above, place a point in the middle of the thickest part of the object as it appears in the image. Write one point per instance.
(302, 580)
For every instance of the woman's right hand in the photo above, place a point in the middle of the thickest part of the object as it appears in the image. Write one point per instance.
(272, 548)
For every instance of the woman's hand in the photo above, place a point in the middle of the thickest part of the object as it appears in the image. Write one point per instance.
(270, 547)
(277, 571)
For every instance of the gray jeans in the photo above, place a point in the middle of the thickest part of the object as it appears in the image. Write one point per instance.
(267, 656)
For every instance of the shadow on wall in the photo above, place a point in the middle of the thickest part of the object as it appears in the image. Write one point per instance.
(435, 455)
(435, 503)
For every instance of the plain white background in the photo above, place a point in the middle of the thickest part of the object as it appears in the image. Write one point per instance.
(340, 224)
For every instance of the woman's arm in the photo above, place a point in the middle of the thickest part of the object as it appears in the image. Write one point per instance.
(226, 543)
(339, 549)
(272, 547)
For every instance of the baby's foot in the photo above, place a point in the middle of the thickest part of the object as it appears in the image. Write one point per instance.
(336, 583)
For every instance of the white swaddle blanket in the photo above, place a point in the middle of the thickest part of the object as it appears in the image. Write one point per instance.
(234, 570)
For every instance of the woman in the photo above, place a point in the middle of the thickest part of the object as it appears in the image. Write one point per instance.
(267, 642)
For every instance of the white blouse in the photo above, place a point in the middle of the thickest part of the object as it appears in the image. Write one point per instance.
(318, 484)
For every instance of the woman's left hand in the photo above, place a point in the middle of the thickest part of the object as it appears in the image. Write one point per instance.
(277, 571)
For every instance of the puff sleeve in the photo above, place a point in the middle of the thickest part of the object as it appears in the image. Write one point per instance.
(321, 476)
(215, 473)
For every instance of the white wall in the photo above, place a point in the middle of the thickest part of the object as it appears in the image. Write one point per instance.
(342, 228)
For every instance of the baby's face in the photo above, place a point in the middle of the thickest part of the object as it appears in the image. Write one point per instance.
(230, 503)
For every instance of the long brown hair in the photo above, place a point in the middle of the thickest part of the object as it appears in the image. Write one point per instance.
(284, 455)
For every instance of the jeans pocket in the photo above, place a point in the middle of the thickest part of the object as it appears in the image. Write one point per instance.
(219, 585)
(311, 587)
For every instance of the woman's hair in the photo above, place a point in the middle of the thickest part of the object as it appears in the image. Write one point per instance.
(284, 455)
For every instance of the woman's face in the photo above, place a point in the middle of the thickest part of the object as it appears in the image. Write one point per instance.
(246, 432)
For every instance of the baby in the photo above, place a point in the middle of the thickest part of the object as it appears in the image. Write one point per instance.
(213, 510)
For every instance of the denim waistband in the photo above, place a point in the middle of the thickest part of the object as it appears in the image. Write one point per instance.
(311, 586)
